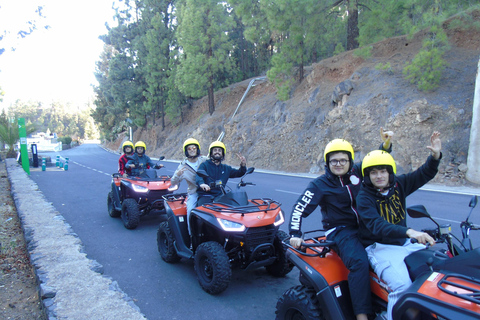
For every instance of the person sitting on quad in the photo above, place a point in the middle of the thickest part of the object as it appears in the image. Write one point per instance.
(216, 171)
(187, 170)
(140, 161)
(383, 227)
(335, 193)
(127, 148)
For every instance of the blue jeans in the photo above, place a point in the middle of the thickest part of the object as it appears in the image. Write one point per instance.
(354, 257)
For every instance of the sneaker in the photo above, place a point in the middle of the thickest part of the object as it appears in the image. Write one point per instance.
(382, 316)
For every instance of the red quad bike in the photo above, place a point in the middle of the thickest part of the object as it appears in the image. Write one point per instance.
(233, 231)
(446, 282)
(137, 196)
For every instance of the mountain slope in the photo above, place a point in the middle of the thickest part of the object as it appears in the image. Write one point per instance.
(291, 135)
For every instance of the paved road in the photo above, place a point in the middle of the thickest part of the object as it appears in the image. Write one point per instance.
(171, 291)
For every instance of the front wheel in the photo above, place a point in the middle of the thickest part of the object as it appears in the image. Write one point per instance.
(281, 266)
(212, 267)
(112, 212)
(165, 242)
(130, 214)
(298, 303)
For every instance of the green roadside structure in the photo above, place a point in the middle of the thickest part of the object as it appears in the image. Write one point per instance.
(22, 132)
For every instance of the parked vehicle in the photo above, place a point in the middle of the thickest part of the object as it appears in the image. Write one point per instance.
(232, 232)
(446, 282)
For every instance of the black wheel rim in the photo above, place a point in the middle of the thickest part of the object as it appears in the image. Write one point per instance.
(207, 270)
(163, 243)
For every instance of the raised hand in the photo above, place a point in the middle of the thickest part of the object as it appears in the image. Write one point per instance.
(435, 145)
(386, 137)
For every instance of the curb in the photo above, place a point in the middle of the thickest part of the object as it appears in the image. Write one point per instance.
(71, 286)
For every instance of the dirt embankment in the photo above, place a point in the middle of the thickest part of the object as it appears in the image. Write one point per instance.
(291, 135)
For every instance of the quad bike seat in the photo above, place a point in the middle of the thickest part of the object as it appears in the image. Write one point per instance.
(465, 263)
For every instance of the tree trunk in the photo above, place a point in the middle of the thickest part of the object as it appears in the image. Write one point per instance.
(352, 25)
(211, 98)
(473, 159)
(162, 113)
(302, 63)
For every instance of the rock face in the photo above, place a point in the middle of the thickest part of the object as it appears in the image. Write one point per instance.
(291, 135)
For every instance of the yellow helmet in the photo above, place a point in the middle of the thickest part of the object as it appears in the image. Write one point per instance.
(217, 144)
(127, 144)
(188, 142)
(141, 144)
(337, 145)
(379, 158)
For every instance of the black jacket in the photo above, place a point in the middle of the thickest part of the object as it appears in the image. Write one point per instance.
(336, 197)
(221, 172)
(383, 219)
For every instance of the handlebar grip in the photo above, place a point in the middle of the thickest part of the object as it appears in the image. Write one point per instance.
(325, 243)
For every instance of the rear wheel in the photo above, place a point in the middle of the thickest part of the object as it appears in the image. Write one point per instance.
(212, 267)
(298, 303)
(165, 243)
(112, 212)
(281, 266)
(130, 213)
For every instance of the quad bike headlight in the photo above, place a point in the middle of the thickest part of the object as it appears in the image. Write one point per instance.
(138, 188)
(173, 188)
(279, 219)
(228, 225)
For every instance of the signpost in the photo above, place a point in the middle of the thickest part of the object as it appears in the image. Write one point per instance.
(22, 132)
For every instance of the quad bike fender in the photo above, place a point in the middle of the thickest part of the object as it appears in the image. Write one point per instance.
(311, 277)
(178, 225)
(426, 296)
(116, 196)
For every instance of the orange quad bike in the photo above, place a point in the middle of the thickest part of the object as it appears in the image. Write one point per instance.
(136, 196)
(446, 282)
(231, 232)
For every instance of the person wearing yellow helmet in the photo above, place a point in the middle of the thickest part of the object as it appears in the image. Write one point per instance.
(187, 170)
(383, 226)
(335, 193)
(127, 148)
(215, 171)
(140, 161)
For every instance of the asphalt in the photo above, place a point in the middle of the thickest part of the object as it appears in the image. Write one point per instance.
(71, 286)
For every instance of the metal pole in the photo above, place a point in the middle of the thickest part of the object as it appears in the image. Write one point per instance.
(220, 137)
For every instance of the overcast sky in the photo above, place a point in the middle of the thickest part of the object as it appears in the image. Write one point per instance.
(55, 64)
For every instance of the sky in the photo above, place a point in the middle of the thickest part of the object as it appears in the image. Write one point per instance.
(57, 64)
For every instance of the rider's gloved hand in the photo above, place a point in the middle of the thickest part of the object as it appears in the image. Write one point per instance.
(158, 166)
(296, 242)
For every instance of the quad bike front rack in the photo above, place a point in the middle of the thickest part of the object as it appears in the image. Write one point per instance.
(251, 208)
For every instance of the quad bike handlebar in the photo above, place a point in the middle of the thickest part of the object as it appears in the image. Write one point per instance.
(442, 233)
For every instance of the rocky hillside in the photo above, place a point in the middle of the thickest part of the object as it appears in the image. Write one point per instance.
(291, 135)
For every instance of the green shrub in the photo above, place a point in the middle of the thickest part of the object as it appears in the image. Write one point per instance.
(384, 67)
(338, 49)
(363, 52)
(427, 66)
(65, 140)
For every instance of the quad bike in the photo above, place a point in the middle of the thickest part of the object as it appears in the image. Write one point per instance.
(446, 282)
(231, 232)
(137, 196)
